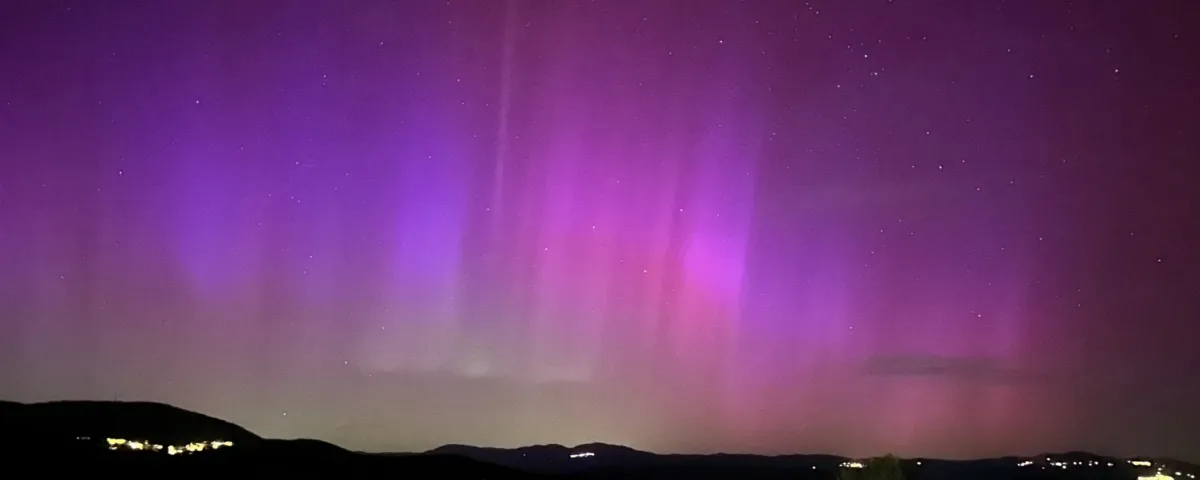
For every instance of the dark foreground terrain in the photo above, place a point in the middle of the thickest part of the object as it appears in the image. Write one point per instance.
(130, 438)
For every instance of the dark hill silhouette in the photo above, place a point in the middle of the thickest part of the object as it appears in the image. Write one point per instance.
(68, 438)
(314, 447)
(613, 461)
(155, 422)
(554, 458)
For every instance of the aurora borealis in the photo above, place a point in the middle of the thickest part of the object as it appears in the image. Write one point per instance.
(933, 228)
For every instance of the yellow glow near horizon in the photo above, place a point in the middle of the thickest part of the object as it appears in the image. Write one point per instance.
(141, 445)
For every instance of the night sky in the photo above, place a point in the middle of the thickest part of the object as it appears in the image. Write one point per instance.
(929, 227)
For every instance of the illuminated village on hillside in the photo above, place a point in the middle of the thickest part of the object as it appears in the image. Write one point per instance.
(146, 446)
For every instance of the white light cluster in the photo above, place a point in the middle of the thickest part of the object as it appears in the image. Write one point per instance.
(1137, 463)
(138, 445)
(582, 455)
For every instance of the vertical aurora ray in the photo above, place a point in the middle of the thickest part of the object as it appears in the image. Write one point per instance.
(419, 322)
(205, 225)
(680, 225)
(564, 326)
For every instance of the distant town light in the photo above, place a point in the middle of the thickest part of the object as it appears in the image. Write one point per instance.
(118, 443)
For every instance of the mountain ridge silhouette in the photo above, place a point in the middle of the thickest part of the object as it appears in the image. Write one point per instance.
(77, 430)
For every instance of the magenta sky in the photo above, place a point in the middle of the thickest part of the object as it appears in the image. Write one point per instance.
(938, 228)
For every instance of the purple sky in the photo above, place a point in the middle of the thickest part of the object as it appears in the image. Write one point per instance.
(944, 228)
